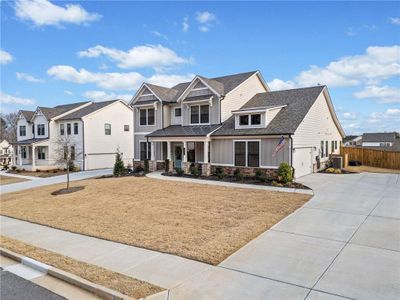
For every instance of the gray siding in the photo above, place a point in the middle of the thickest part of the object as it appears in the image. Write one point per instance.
(158, 119)
(214, 111)
(222, 151)
(199, 151)
(268, 148)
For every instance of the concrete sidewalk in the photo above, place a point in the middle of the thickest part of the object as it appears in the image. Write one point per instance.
(14, 187)
(4, 173)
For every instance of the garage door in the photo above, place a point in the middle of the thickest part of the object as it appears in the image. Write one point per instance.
(302, 162)
(100, 161)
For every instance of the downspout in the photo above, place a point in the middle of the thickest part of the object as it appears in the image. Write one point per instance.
(291, 153)
(147, 147)
(83, 143)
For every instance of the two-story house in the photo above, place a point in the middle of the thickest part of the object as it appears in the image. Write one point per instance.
(6, 154)
(96, 130)
(234, 121)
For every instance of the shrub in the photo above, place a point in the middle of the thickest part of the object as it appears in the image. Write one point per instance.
(195, 170)
(47, 171)
(5, 167)
(55, 171)
(259, 175)
(275, 183)
(330, 170)
(238, 175)
(179, 171)
(220, 172)
(338, 171)
(118, 165)
(71, 166)
(285, 172)
(18, 171)
(166, 165)
(14, 168)
(139, 169)
(146, 166)
(23, 170)
(37, 170)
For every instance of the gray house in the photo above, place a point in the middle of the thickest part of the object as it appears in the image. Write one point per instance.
(234, 122)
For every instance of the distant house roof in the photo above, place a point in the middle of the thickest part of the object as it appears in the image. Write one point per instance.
(51, 112)
(297, 104)
(87, 110)
(222, 85)
(348, 138)
(379, 137)
(178, 130)
(27, 114)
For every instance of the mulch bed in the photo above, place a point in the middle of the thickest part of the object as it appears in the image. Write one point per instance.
(68, 191)
(246, 180)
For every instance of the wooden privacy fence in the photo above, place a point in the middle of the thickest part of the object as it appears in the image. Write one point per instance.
(373, 157)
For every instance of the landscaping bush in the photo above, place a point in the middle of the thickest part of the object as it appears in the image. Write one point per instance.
(285, 173)
(55, 171)
(166, 165)
(259, 175)
(146, 166)
(71, 166)
(14, 168)
(275, 183)
(220, 172)
(333, 171)
(139, 169)
(195, 170)
(37, 170)
(23, 170)
(47, 171)
(5, 167)
(18, 171)
(118, 165)
(179, 171)
(238, 175)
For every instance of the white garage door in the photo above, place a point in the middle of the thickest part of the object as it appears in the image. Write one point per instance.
(100, 161)
(302, 162)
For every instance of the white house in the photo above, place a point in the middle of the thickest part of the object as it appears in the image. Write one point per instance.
(379, 139)
(6, 153)
(234, 121)
(97, 128)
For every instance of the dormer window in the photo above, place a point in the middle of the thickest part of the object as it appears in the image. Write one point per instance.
(250, 120)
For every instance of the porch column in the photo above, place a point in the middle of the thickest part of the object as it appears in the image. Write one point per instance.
(169, 157)
(19, 156)
(185, 165)
(33, 158)
(152, 162)
(206, 168)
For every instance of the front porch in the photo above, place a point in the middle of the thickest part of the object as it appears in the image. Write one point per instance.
(32, 155)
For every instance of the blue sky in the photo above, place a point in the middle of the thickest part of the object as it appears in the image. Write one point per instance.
(66, 51)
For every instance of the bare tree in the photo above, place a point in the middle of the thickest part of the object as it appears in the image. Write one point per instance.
(9, 127)
(66, 153)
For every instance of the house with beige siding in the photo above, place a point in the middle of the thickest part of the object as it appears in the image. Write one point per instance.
(96, 129)
(234, 121)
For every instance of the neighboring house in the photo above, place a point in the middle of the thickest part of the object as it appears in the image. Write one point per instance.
(6, 153)
(352, 140)
(97, 128)
(234, 122)
(384, 140)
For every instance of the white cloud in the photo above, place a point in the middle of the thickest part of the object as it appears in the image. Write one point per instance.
(9, 99)
(352, 31)
(114, 81)
(110, 81)
(155, 56)
(384, 94)
(185, 24)
(277, 84)
(68, 92)
(377, 64)
(349, 115)
(393, 112)
(159, 34)
(5, 57)
(43, 12)
(103, 96)
(395, 21)
(206, 20)
(28, 77)
(385, 121)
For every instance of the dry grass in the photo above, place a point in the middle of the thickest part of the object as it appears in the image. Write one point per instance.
(359, 169)
(8, 180)
(201, 222)
(41, 174)
(115, 281)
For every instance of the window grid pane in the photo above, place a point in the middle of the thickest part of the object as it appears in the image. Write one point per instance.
(256, 119)
(204, 114)
(240, 154)
(150, 116)
(244, 120)
(143, 120)
(253, 154)
(194, 114)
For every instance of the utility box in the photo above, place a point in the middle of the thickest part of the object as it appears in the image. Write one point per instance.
(337, 162)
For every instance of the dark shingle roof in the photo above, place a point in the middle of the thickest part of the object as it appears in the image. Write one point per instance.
(297, 101)
(379, 137)
(178, 130)
(87, 110)
(215, 85)
(165, 94)
(27, 114)
(232, 81)
(29, 141)
(51, 112)
(348, 138)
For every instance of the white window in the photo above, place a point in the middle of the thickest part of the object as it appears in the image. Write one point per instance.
(107, 129)
(200, 114)
(22, 130)
(40, 129)
(250, 120)
(147, 116)
(41, 153)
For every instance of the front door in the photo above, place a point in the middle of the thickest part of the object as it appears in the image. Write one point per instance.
(178, 156)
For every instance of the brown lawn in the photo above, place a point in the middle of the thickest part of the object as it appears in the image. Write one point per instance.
(41, 174)
(8, 180)
(115, 281)
(201, 222)
(359, 169)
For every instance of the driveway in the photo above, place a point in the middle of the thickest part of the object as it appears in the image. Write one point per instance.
(52, 180)
(344, 242)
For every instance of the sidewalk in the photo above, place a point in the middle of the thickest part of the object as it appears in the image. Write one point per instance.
(158, 175)
(4, 173)
(14, 187)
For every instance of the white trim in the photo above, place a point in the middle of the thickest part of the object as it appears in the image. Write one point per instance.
(246, 153)
(263, 117)
(132, 102)
(147, 117)
(137, 106)
(143, 133)
(222, 165)
(189, 88)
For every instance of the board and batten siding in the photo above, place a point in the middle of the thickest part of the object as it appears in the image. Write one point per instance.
(175, 120)
(214, 110)
(28, 126)
(236, 98)
(158, 118)
(222, 151)
(318, 125)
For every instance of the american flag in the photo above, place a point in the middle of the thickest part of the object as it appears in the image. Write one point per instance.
(280, 146)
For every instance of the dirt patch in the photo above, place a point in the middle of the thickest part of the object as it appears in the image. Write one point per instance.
(359, 169)
(67, 191)
(197, 221)
(8, 180)
(113, 280)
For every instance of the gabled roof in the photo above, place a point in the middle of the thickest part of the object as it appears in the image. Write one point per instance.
(178, 130)
(297, 104)
(379, 137)
(51, 112)
(80, 113)
(28, 114)
(349, 138)
(222, 85)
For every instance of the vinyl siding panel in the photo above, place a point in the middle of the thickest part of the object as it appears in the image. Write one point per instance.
(240, 95)
(268, 149)
(158, 119)
(214, 111)
(318, 125)
(222, 151)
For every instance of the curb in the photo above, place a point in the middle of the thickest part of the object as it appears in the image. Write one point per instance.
(96, 289)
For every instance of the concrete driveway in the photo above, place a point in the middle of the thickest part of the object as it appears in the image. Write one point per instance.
(344, 242)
